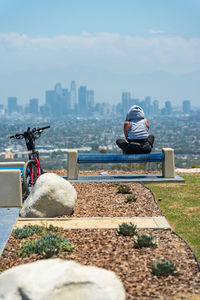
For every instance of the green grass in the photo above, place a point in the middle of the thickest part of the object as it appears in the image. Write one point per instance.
(181, 205)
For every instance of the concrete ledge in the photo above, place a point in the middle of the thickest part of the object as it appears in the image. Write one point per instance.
(8, 217)
(162, 222)
(10, 188)
(97, 223)
(12, 165)
(144, 178)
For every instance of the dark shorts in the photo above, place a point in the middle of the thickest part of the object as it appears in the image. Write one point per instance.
(136, 146)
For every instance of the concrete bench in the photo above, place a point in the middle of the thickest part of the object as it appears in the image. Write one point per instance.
(10, 188)
(13, 165)
(166, 157)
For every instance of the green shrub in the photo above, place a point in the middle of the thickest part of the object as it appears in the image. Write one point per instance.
(123, 189)
(30, 230)
(130, 199)
(27, 230)
(127, 229)
(48, 245)
(144, 240)
(163, 268)
(53, 228)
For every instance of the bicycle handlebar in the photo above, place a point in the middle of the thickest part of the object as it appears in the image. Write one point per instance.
(33, 132)
(40, 129)
(17, 136)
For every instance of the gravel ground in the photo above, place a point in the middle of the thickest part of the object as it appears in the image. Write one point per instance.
(107, 249)
(103, 200)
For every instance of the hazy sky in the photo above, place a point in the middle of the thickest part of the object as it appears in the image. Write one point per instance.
(147, 47)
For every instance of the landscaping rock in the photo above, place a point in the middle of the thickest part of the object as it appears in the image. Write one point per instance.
(51, 196)
(60, 279)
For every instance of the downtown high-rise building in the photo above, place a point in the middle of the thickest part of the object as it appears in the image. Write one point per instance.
(90, 99)
(73, 96)
(12, 105)
(168, 108)
(82, 100)
(155, 107)
(34, 106)
(186, 106)
(126, 97)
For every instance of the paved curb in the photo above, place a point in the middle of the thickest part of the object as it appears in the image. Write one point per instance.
(8, 218)
(144, 178)
(96, 223)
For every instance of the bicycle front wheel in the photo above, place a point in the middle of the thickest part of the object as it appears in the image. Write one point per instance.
(30, 175)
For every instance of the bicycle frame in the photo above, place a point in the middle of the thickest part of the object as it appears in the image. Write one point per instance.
(34, 174)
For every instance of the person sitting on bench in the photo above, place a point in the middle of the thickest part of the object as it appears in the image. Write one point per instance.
(136, 133)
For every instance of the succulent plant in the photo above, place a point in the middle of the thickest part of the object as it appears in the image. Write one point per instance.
(30, 230)
(27, 230)
(127, 229)
(164, 268)
(131, 198)
(144, 240)
(124, 189)
(48, 245)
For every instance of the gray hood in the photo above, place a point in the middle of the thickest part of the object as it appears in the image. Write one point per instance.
(135, 113)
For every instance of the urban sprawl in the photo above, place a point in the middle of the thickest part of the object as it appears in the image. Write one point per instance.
(78, 122)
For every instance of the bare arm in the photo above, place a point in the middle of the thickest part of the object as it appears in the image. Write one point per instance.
(126, 128)
(147, 123)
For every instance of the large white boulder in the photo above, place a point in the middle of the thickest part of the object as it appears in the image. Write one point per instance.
(56, 279)
(51, 196)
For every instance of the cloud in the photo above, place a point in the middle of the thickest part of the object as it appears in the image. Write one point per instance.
(118, 53)
(156, 31)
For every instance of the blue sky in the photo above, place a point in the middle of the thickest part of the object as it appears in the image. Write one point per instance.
(147, 47)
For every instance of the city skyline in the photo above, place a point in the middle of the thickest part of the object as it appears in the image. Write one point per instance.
(145, 47)
(73, 89)
(80, 102)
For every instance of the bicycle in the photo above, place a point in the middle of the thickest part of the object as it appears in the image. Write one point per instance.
(32, 168)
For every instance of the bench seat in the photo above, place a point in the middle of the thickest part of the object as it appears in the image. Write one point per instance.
(166, 158)
(119, 158)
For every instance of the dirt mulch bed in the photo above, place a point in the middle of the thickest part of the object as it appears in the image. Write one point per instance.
(107, 249)
(103, 200)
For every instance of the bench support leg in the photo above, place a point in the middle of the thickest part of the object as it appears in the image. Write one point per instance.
(72, 165)
(168, 164)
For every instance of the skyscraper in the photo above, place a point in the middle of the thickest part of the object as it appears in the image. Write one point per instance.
(12, 105)
(50, 102)
(168, 107)
(186, 107)
(58, 110)
(155, 107)
(73, 96)
(90, 98)
(126, 97)
(82, 100)
(147, 102)
(65, 101)
(58, 89)
(33, 106)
